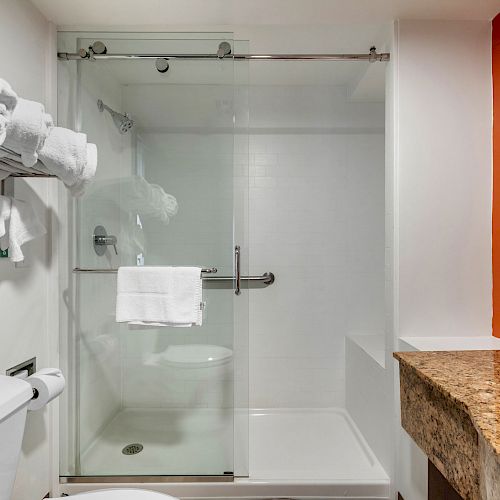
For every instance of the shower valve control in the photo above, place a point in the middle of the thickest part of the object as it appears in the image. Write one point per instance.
(102, 239)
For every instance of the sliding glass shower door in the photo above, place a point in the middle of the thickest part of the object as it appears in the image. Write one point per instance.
(172, 188)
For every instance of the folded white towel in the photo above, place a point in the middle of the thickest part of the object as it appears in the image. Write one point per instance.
(159, 296)
(8, 101)
(20, 226)
(27, 131)
(67, 155)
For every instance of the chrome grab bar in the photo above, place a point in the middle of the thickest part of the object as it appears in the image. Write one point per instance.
(265, 279)
(237, 289)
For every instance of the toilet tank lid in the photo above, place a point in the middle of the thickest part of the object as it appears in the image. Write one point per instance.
(14, 393)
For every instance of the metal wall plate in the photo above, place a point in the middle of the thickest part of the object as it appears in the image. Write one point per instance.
(29, 365)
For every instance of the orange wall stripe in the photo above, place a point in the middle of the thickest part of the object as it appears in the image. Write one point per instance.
(496, 176)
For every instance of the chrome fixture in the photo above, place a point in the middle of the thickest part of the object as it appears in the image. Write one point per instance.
(28, 367)
(98, 47)
(102, 240)
(132, 449)
(209, 270)
(161, 65)
(123, 122)
(371, 56)
(237, 254)
(265, 279)
(223, 50)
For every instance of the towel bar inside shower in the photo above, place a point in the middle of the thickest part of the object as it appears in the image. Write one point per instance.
(266, 278)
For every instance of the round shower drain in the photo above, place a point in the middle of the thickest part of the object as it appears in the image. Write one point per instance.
(132, 449)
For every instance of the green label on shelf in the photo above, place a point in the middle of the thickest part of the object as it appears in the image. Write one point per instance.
(4, 253)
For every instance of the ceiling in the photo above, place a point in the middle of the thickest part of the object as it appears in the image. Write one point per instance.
(257, 12)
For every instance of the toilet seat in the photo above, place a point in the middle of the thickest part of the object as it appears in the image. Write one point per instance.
(120, 494)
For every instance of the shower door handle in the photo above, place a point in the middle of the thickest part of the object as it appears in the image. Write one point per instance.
(237, 269)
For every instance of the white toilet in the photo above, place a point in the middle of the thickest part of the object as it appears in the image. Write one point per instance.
(15, 395)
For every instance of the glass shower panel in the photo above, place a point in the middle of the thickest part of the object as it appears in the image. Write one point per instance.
(159, 401)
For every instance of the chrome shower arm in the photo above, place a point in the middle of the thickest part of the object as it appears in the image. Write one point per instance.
(122, 121)
(101, 106)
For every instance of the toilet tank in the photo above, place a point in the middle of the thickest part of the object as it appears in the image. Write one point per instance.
(15, 394)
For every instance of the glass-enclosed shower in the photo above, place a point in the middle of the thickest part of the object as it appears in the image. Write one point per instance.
(244, 169)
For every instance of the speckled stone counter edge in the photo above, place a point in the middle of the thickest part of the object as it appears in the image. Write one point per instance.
(444, 429)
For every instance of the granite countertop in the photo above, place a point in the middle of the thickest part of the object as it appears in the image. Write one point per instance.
(450, 405)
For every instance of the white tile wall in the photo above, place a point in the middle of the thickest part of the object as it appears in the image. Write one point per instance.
(317, 222)
(198, 170)
(99, 370)
(315, 218)
(367, 386)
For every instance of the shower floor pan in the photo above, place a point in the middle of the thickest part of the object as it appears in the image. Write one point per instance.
(293, 453)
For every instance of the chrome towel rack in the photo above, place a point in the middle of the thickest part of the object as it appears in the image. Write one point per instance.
(115, 270)
(266, 278)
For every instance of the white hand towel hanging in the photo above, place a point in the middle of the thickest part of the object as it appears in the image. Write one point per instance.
(17, 226)
(67, 155)
(159, 296)
(5, 205)
(27, 131)
(8, 102)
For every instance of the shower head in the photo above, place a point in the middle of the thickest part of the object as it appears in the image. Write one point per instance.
(123, 122)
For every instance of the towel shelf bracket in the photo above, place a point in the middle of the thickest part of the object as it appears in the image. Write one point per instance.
(10, 162)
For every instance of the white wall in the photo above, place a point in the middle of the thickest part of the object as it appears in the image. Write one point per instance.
(442, 194)
(317, 221)
(29, 294)
(444, 121)
(368, 400)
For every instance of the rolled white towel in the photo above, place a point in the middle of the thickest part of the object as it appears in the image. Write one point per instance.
(8, 102)
(163, 203)
(28, 130)
(5, 117)
(22, 226)
(7, 95)
(67, 155)
(88, 174)
(135, 194)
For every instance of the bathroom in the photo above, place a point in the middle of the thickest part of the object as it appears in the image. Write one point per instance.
(328, 174)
